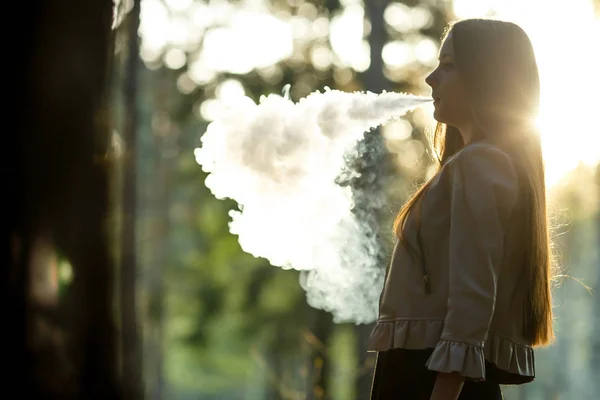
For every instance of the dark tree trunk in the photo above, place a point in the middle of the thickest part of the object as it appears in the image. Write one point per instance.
(58, 179)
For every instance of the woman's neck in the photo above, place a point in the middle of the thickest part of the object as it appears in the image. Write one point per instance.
(470, 132)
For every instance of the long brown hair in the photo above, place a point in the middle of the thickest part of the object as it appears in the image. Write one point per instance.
(497, 66)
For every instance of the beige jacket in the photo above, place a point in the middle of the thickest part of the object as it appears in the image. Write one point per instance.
(473, 259)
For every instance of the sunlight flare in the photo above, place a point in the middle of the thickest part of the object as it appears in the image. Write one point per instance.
(567, 50)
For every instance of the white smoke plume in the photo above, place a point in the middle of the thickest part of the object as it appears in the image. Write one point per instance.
(279, 161)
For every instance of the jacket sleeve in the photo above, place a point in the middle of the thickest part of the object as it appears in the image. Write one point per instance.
(484, 190)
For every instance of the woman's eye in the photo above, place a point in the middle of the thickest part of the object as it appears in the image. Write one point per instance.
(447, 65)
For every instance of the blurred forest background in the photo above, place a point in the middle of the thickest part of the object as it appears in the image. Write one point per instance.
(195, 316)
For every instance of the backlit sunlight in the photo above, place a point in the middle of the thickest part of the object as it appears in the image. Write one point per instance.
(567, 54)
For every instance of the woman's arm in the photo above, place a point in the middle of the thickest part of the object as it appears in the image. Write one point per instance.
(447, 386)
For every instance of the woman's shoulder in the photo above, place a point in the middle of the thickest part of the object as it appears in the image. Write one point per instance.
(483, 173)
(484, 160)
(481, 151)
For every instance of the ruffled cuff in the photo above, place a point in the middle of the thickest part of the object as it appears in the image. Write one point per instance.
(466, 359)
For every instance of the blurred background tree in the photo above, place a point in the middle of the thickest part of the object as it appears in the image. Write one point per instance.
(61, 337)
(217, 323)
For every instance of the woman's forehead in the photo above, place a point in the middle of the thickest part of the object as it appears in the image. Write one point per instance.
(447, 48)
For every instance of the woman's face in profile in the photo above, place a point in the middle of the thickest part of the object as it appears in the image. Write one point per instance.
(450, 101)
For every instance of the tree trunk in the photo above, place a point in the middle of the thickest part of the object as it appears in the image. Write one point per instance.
(58, 196)
(165, 138)
(130, 338)
(320, 365)
(595, 345)
(374, 159)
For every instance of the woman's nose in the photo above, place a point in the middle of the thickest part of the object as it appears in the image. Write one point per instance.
(430, 80)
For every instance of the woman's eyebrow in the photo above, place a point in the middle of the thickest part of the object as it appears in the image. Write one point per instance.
(445, 55)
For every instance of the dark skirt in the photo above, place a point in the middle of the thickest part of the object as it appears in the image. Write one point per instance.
(401, 374)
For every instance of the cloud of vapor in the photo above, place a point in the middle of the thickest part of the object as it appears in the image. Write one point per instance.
(279, 161)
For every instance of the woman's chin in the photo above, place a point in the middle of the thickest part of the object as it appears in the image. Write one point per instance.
(438, 115)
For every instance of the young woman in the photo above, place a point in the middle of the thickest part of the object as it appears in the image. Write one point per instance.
(467, 294)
